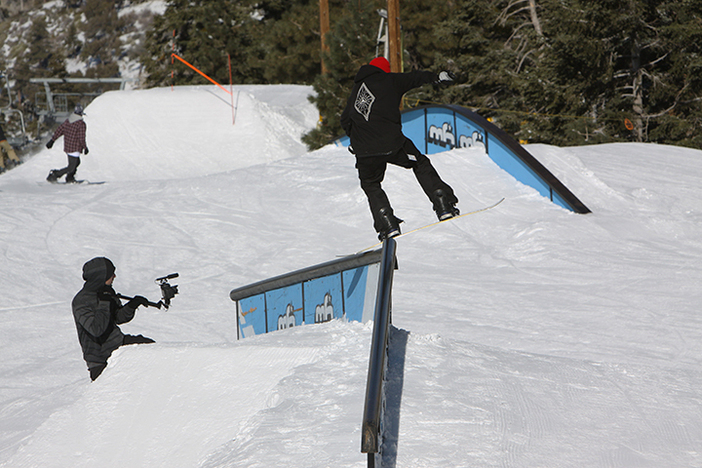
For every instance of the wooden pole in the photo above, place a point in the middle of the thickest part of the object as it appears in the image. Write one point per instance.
(324, 29)
(231, 87)
(172, 61)
(395, 58)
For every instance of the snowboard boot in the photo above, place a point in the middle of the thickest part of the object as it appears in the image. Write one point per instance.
(53, 176)
(444, 209)
(390, 225)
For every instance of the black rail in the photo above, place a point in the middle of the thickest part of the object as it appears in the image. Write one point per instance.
(372, 414)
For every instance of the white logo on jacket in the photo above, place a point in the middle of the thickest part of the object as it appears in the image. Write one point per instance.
(364, 101)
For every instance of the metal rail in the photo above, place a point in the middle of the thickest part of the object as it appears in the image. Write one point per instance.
(306, 274)
(372, 414)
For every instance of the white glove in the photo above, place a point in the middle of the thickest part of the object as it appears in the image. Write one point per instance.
(446, 77)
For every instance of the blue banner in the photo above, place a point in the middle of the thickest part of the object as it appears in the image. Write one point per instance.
(348, 295)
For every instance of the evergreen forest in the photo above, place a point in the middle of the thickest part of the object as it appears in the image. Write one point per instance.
(562, 72)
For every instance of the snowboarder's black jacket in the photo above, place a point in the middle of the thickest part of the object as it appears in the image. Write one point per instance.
(371, 118)
(97, 312)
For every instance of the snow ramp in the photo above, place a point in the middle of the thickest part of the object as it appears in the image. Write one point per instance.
(161, 406)
(184, 132)
(273, 303)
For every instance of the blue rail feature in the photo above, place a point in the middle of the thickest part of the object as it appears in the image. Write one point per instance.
(438, 128)
(343, 288)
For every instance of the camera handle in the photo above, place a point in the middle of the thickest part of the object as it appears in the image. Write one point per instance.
(148, 303)
(167, 291)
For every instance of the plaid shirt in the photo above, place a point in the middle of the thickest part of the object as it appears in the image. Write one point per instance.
(73, 135)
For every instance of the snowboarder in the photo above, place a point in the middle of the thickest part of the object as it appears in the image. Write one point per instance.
(372, 121)
(8, 150)
(73, 130)
(97, 311)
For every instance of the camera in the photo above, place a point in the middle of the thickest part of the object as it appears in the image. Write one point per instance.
(168, 291)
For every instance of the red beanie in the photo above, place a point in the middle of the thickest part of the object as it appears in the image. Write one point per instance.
(382, 63)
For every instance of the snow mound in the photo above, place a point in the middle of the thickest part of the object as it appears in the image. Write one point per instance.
(191, 131)
(121, 421)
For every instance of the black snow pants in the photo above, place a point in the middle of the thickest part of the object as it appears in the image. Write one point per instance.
(70, 170)
(96, 370)
(371, 172)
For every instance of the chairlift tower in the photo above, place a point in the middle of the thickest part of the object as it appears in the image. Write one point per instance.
(383, 34)
(57, 103)
(47, 82)
(389, 36)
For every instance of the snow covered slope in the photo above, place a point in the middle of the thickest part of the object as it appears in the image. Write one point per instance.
(185, 132)
(528, 336)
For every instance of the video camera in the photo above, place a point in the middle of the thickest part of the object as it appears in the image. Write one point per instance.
(168, 292)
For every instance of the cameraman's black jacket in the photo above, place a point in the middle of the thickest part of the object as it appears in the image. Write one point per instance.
(97, 312)
(371, 118)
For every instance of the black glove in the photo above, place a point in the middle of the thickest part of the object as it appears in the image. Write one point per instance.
(446, 78)
(86, 150)
(137, 301)
(106, 293)
(49, 144)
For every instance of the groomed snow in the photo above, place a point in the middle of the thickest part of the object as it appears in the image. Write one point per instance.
(527, 336)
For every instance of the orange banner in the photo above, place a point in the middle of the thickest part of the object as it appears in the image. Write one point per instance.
(210, 79)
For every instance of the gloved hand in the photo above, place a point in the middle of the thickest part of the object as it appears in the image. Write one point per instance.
(446, 78)
(137, 301)
(85, 150)
(107, 293)
(49, 144)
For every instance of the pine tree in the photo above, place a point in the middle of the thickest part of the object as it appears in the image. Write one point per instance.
(102, 28)
(40, 59)
(203, 32)
(620, 58)
(421, 44)
(474, 44)
(563, 72)
(582, 71)
(290, 40)
(676, 100)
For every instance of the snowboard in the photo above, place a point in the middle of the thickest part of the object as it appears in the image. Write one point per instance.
(78, 182)
(88, 182)
(434, 224)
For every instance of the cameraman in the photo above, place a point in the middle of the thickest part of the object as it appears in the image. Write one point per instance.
(97, 311)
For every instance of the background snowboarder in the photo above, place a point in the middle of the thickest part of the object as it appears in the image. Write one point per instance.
(372, 121)
(97, 311)
(73, 130)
